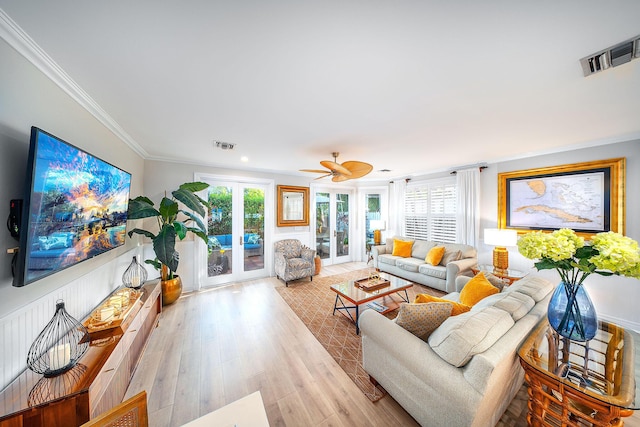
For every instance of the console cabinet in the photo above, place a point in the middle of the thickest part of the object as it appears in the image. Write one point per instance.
(96, 384)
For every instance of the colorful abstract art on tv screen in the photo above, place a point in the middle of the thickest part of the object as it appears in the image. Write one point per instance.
(75, 208)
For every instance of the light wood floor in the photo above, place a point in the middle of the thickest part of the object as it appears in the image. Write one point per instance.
(216, 346)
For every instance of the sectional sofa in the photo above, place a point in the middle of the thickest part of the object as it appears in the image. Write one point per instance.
(467, 372)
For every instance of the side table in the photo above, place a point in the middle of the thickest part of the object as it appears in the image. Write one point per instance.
(572, 383)
(369, 244)
(508, 276)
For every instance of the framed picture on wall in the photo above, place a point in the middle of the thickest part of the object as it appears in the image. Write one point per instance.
(587, 197)
(293, 206)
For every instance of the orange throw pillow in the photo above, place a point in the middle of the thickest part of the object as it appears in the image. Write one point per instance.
(402, 248)
(457, 307)
(476, 289)
(435, 254)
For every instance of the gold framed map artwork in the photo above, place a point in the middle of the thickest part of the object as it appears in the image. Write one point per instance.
(587, 197)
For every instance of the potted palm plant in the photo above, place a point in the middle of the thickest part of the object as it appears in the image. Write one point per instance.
(172, 222)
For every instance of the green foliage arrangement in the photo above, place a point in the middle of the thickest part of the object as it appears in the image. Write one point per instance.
(172, 223)
(220, 202)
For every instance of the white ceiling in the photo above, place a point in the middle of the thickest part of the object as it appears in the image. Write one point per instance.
(410, 86)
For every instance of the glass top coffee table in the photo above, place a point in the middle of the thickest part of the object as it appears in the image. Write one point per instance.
(351, 299)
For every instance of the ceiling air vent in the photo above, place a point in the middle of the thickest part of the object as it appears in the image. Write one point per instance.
(611, 57)
(224, 145)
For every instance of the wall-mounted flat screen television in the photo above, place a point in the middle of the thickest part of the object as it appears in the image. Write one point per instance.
(75, 207)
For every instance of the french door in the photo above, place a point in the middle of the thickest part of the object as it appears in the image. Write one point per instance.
(332, 230)
(236, 232)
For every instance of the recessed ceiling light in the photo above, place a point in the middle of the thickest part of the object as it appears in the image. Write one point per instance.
(384, 170)
(244, 159)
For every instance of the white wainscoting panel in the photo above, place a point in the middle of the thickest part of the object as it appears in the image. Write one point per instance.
(20, 328)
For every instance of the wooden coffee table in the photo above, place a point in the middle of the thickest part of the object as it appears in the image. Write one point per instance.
(350, 298)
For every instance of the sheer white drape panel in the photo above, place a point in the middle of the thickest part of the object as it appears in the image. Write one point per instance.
(359, 221)
(468, 184)
(396, 208)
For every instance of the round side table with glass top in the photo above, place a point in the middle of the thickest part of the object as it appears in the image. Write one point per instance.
(573, 383)
(508, 276)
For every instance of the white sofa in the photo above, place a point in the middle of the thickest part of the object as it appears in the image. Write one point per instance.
(467, 372)
(415, 269)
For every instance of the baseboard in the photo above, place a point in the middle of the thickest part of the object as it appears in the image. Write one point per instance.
(635, 326)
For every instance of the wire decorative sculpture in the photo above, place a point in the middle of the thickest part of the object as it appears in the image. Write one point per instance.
(59, 346)
(135, 275)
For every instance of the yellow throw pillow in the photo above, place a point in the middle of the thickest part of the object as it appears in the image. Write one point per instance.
(476, 289)
(457, 307)
(435, 255)
(402, 248)
(422, 319)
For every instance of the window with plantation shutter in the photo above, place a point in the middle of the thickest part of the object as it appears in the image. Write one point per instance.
(430, 211)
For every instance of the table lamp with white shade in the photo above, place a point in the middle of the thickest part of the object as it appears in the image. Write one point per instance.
(377, 225)
(500, 238)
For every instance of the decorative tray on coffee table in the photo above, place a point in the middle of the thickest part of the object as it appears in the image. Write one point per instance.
(369, 284)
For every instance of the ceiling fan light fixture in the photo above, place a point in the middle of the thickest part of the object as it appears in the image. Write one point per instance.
(342, 171)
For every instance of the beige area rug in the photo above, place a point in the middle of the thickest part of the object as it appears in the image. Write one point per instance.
(313, 303)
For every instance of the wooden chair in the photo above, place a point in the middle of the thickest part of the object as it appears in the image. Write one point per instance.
(130, 413)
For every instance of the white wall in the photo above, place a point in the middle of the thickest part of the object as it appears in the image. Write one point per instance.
(162, 176)
(614, 297)
(28, 98)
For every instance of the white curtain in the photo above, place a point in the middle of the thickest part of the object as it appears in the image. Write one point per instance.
(396, 208)
(468, 213)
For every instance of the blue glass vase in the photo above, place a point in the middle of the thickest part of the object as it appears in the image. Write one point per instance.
(571, 313)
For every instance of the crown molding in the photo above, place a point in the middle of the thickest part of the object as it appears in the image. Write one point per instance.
(15, 36)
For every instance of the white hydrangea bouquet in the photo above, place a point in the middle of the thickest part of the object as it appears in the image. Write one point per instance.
(571, 312)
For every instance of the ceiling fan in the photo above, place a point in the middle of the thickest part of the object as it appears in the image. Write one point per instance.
(341, 172)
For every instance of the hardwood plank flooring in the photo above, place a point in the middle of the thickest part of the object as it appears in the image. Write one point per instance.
(215, 346)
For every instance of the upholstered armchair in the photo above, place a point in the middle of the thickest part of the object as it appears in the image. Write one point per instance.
(293, 260)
